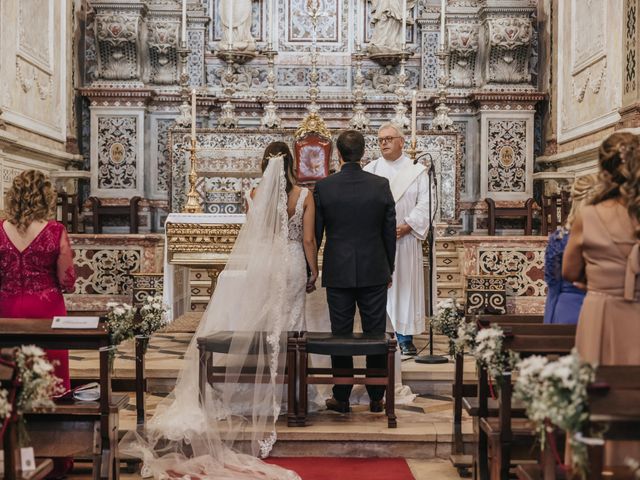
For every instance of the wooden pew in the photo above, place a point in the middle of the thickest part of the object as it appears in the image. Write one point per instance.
(614, 414)
(139, 383)
(78, 429)
(465, 396)
(496, 436)
(12, 465)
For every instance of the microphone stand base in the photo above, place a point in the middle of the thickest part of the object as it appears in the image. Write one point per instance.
(431, 359)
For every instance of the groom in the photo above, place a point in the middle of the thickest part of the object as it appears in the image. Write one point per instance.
(357, 211)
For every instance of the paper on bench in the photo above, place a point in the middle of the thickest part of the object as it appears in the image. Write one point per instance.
(75, 322)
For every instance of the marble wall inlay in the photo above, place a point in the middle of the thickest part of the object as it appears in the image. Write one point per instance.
(117, 152)
(507, 147)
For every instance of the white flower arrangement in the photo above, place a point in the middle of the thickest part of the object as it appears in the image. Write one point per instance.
(5, 406)
(634, 465)
(488, 351)
(120, 325)
(466, 337)
(120, 322)
(555, 395)
(447, 322)
(154, 316)
(38, 383)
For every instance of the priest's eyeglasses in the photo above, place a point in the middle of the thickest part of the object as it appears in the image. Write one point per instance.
(383, 140)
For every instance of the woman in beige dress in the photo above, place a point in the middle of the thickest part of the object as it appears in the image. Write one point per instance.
(603, 253)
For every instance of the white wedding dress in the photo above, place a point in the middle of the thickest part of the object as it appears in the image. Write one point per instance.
(258, 299)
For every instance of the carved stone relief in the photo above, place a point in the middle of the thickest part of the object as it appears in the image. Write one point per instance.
(631, 50)
(509, 45)
(589, 32)
(507, 150)
(463, 45)
(117, 144)
(117, 35)
(162, 40)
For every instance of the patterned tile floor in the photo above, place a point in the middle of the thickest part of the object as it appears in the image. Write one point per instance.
(424, 427)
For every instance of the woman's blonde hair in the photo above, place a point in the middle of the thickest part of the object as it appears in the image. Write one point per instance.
(582, 191)
(619, 159)
(30, 198)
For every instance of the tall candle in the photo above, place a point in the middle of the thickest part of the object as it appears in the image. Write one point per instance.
(193, 114)
(443, 8)
(230, 20)
(404, 24)
(414, 108)
(184, 21)
(271, 22)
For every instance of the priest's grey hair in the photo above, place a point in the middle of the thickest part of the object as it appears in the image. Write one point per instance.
(393, 125)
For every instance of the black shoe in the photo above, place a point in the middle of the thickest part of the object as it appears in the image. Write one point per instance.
(408, 348)
(337, 405)
(376, 406)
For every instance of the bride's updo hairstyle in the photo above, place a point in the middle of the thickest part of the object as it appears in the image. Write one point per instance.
(275, 149)
(619, 160)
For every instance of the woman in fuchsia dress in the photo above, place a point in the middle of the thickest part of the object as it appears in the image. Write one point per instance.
(36, 264)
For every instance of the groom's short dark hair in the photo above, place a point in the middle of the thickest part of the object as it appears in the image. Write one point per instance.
(350, 144)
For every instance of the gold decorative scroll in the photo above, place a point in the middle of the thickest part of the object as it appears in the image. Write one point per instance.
(190, 238)
(312, 123)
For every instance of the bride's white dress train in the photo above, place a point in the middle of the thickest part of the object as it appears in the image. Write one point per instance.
(259, 297)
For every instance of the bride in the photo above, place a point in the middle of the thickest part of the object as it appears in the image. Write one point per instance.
(259, 298)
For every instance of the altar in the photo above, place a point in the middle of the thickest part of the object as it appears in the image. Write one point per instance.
(195, 240)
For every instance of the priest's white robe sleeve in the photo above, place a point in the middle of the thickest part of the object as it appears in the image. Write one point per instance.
(418, 218)
(370, 167)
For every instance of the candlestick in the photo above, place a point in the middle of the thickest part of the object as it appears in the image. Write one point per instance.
(414, 105)
(230, 20)
(271, 23)
(443, 8)
(193, 114)
(404, 24)
(184, 21)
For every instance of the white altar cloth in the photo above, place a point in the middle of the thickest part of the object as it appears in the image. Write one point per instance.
(176, 291)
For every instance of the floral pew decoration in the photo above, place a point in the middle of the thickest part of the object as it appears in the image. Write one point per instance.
(125, 322)
(31, 387)
(554, 394)
(447, 322)
(484, 345)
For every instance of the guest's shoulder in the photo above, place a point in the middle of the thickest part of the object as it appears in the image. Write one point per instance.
(56, 226)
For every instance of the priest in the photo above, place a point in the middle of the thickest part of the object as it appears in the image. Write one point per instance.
(410, 189)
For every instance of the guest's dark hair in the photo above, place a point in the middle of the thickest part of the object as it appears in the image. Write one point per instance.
(619, 159)
(280, 148)
(350, 144)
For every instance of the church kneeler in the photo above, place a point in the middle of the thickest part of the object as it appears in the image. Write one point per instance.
(353, 344)
(220, 342)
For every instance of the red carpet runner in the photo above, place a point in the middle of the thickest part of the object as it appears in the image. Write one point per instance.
(343, 468)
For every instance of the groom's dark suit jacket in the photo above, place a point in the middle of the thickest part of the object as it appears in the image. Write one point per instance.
(357, 211)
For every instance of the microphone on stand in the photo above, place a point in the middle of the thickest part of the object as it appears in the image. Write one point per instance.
(431, 240)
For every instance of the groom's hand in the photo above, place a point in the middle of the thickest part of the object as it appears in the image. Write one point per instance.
(402, 230)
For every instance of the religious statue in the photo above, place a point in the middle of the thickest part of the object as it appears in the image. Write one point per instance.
(387, 17)
(237, 36)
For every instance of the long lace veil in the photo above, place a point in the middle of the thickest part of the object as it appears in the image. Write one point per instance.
(222, 437)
